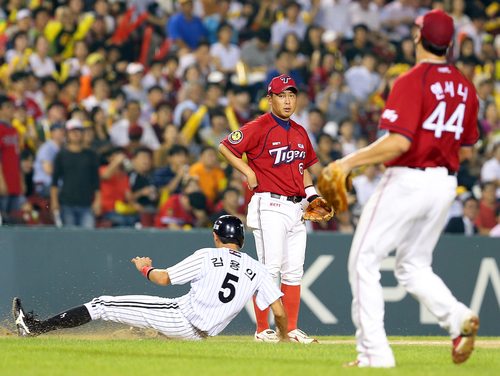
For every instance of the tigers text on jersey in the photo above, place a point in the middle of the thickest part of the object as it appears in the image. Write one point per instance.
(439, 119)
(277, 151)
(222, 282)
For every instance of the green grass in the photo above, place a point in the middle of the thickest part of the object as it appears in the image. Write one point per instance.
(224, 356)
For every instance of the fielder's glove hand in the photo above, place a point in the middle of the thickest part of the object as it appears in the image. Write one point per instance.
(333, 185)
(318, 210)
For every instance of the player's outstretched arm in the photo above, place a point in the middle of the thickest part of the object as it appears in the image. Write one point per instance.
(241, 166)
(158, 276)
(281, 320)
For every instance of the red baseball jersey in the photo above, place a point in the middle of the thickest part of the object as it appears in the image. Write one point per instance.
(435, 107)
(9, 157)
(277, 151)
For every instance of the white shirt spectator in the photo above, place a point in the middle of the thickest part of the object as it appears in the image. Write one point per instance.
(90, 102)
(148, 81)
(75, 69)
(495, 231)
(280, 29)
(361, 82)
(119, 134)
(364, 187)
(396, 11)
(491, 172)
(335, 15)
(469, 31)
(228, 57)
(41, 68)
(368, 17)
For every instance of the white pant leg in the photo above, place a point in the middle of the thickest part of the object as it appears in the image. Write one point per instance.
(414, 256)
(144, 312)
(270, 220)
(386, 217)
(292, 267)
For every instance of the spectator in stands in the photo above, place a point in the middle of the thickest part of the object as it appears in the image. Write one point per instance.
(292, 23)
(365, 12)
(99, 123)
(473, 30)
(119, 132)
(155, 97)
(27, 159)
(457, 13)
(283, 65)
(134, 135)
(337, 101)
(134, 90)
(100, 96)
(75, 191)
(301, 114)
(491, 122)
(41, 17)
(194, 93)
(230, 205)
(213, 21)
(44, 160)
(360, 46)
(407, 53)
(19, 43)
(41, 64)
(185, 28)
(160, 119)
(239, 101)
(224, 53)
(495, 231)
(12, 184)
(258, 54)
(363, 80)
(319, 78)
(347, 139)
(96, 68)
(211, 178)
(200, 58)
(490, 171)
(219, 128)
(365, 184)
(169, 178)
(486, 219)
(118, 205)
(396, 19)
(69, 93)
(184, 210)
(464, 224)
(78, 65)
(18, 95)
(485, 89)
(155, 76)
(141, 181)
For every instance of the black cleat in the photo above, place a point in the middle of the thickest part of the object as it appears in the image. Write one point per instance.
(25, 322)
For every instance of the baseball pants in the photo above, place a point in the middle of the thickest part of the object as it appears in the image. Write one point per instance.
(280, 236)
(406, 213)
(144, 312)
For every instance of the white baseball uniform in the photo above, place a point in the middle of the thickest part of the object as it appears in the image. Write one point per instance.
(222, 282)
(407, 211)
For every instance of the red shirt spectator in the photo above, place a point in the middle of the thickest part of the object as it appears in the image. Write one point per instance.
(9, 157)
(486, 218)
(113, 189)
(174, 213)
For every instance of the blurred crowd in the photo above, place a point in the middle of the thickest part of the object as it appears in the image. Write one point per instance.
(111, 111)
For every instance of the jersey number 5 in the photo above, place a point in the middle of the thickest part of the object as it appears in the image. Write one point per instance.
(227, 285)
(436, 123)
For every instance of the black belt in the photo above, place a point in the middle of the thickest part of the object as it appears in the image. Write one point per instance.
(294, 199)
(450, 173)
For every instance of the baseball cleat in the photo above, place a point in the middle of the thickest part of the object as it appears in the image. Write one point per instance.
(267, 335)
(299, 336)
(24, 321)
(464, 343)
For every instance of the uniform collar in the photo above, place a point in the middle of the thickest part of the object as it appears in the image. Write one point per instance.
(284, 124)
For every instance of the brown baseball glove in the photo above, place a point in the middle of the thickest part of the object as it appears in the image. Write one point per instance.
(333, 185)
(318, 210)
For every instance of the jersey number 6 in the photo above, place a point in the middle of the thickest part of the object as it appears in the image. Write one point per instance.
(227, 285)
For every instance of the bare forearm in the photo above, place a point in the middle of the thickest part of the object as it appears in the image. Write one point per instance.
(307, 179)
(159, 276)
(281, 319)
(54, 195)
(384, 149)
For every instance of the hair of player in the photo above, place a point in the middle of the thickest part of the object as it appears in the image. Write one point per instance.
(433, 48)
(226, 240)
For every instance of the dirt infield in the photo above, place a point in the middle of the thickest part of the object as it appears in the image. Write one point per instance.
(110, 331)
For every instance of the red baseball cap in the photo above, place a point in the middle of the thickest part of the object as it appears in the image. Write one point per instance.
(437, 27)
(281, 83)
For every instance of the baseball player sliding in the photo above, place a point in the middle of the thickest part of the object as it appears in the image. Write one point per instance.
(431, 118)
(222, 280)
(279, 153)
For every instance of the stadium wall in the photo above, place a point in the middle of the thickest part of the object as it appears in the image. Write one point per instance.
(53, 269)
